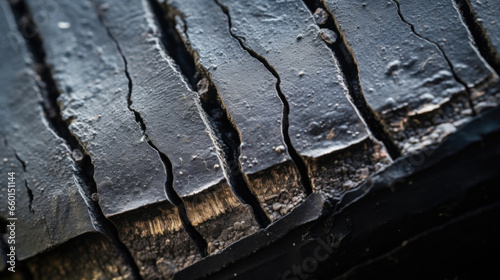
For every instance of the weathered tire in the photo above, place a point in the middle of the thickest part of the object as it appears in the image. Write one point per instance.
(277, 139)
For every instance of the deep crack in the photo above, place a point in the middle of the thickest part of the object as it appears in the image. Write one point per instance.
(350, 70)
(48, 87)
(170, 192)
(173, 43)
(297, 159)
(28, 189)
(443, 53)
(221, 124)
(478, 34)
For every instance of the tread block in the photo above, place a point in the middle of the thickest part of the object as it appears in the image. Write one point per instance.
(174, 122)
(49, 208)
(459, 48)
(399, 67)
(89, 71)
(247, 90)
(439, 22)
(322, 120)
(405, 78)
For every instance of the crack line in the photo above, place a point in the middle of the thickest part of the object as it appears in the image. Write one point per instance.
(297, 159)
(28, 189)
(170, 192)
(23, 164)
(445, 56)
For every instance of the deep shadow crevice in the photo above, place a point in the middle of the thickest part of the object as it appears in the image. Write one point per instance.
(221, 124)
(28, 189)
(478, 33)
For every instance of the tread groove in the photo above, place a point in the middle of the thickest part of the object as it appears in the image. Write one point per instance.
(229, 141)
(445, 56)
(170, 193)
(478, 34)
(84, 169)
(349, 68)
(228, 137)
(297, 159)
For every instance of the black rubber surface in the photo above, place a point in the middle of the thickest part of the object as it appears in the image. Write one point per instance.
(240, 139)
